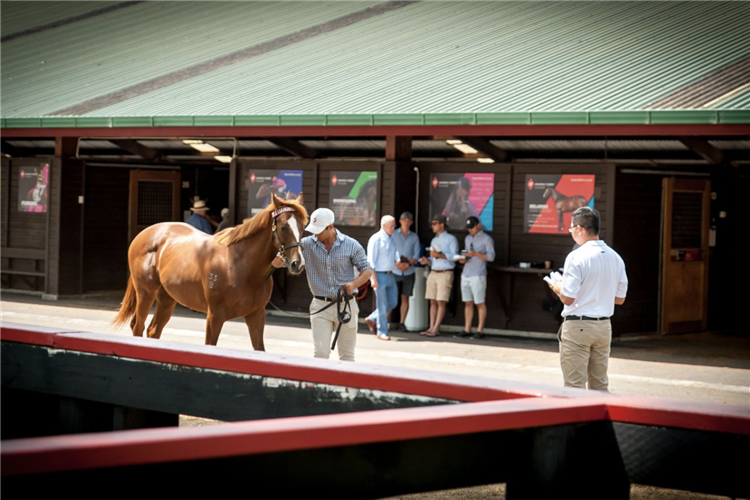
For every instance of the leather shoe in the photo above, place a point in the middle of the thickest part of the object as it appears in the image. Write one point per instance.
(372, 325)
(478, 335)
(462, 335)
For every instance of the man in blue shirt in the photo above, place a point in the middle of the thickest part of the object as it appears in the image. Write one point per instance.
(407, 253)
(381, 255)
(199, 219)
(443, 251)
(479, 250)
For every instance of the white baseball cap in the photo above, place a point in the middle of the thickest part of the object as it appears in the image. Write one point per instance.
(319, 220)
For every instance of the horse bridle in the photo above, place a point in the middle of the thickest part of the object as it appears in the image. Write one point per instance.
(282, 247)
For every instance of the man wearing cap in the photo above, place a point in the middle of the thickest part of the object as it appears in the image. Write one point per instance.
(199, 219)
(407, 253)
(330, 259)
(479, 250)
(593, 282)
(442, 250)
(381, 255)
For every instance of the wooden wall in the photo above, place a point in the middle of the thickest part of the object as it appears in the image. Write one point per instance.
(105, 245)
(525, 294)
(637, 239)
(24, 234)
(292, 293)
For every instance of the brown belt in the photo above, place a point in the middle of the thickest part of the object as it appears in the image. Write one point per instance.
(442, 270)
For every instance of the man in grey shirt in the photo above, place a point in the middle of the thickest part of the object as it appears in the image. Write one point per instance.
(479, 250)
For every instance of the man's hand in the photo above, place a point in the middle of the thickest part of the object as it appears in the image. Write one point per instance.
(373, 282)
(402, 266)
(350, 287)
(424, 261)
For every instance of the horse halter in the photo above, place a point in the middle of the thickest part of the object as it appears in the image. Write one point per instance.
(282, 248)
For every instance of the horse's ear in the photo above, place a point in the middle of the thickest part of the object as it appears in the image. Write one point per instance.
(299, 199)
(275, 200)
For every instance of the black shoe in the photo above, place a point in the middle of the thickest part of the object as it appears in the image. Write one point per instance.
(403, 328)
(462, 335)
(478, 335)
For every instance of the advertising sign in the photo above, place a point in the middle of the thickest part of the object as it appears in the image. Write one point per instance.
(354, 198)
(550, 200)
(32, 189)
(286, 184)
(459, 196)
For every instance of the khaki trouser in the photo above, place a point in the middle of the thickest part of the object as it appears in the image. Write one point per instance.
(324, 326)
(584, 353)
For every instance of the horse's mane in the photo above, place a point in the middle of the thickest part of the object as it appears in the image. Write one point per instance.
(261, 220)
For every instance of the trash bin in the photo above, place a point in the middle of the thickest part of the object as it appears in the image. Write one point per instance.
(417, 319)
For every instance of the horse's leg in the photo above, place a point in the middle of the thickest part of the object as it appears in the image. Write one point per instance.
(256, 323)
(165, 305)
(144, 300)
(214, 323)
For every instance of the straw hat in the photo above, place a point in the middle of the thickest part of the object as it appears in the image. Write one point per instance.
(199, 205)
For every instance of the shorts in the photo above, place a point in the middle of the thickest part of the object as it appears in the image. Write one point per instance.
(438, 286)
(473, 289)
(405, 283)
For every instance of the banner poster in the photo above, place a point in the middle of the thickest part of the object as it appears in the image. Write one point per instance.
(32, 189)
(354, 198)
(459, 196)
(550, 201)
(286, 184)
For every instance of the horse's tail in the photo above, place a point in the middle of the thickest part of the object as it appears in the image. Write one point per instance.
(127, 308)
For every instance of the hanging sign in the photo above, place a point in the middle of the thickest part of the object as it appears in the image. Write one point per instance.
(550, 200)
(354, 197)
(459, 196)
(33, 189)
(286, 184)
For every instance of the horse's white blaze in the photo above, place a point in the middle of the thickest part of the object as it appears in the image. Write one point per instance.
(295, 231)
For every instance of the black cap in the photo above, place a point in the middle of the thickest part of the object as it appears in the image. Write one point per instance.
(471, 222)
(440, 218)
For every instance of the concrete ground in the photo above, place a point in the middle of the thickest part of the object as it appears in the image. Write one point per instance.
(703, 367)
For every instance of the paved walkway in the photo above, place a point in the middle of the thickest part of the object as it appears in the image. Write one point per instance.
(704, 367)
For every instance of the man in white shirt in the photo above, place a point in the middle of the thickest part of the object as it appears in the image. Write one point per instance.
(594, 280)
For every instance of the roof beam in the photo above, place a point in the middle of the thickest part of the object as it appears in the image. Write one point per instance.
(9, 149)
(137, 149)
(702, 147)
(398, 148)
(295, 147)
(484, 146)
(66, 147)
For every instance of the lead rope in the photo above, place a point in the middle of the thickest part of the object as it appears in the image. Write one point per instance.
(341, 311)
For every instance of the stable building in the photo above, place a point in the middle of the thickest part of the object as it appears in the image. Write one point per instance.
(116, 114)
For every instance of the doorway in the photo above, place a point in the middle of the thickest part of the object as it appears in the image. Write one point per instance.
(685, 255)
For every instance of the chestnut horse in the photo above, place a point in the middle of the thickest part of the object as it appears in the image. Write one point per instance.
(564, 204)
(222, 275)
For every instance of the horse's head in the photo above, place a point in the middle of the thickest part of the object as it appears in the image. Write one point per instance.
(289, 221)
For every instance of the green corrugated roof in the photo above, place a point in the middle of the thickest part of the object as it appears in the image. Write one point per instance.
(424, 63)
(20, 16)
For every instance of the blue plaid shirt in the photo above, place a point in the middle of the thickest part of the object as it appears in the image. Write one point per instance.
(327, 270)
